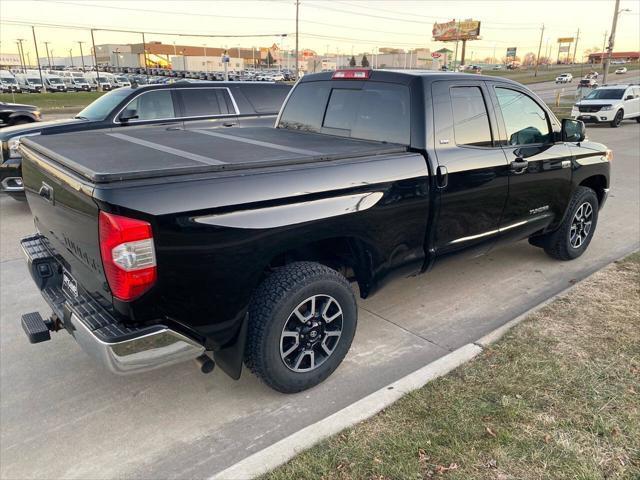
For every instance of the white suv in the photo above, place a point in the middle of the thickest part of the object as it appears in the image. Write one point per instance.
(564, 78)
(609, 104)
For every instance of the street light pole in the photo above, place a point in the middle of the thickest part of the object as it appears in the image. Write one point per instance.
(81, 55)
(21, 54)
(71, 56)
(206, 66)
(95, 61)
(35, 44)
(604, 42)
(535, 74)
(46, 44)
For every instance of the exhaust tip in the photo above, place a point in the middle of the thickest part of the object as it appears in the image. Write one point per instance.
(205, 363)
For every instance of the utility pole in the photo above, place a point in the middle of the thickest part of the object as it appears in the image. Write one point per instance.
(297, 32)
(95, 61)
(535, 74)
(81, 55)
(612, 39)
(604, 42)
(71, 56)
(35, 43)
(144, 56)
(575, 47)
(46, 44)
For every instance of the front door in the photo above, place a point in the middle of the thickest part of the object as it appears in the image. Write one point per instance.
(472, 169)
(540, 166)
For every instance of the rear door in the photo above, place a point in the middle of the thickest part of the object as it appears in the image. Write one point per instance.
(472, 169)
(205, 107)
(539, 166)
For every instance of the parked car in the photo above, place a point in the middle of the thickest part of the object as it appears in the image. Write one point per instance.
(621, 70)
(587, 83)
(475, 69)
(243, 242)
(192, 105)
(17, 114)
(564, 78)
(609, 104)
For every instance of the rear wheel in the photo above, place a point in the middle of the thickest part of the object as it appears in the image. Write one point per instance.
(573, 236)
(302, 320)
(617, 119)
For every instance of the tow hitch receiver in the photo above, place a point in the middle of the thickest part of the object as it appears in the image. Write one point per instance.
(36, 328)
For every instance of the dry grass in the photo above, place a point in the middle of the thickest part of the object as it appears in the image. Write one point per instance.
(558, 397)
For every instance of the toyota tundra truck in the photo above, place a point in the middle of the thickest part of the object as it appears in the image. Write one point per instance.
(159, 245)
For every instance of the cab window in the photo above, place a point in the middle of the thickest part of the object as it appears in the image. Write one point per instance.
(470, 119)
(153, 105)
(526, 122)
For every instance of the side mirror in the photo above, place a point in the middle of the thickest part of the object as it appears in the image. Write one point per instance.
(573, 130)
(127, 115)
(629, 97)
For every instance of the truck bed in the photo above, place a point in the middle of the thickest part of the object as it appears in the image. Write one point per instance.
(134, 153)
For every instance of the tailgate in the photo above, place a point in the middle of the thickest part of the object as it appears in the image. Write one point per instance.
(66, 214)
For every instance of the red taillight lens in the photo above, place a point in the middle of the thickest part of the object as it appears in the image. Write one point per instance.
(128, 255)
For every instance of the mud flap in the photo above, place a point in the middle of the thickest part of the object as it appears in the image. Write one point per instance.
(230, 358)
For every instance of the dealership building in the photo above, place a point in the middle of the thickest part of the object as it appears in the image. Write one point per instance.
(626, 56)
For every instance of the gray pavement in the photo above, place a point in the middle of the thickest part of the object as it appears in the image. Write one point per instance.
(62, 416)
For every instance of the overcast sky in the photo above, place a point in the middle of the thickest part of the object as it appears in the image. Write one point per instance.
(325, 25)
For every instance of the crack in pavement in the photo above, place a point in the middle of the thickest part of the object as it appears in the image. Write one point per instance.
(410, 332)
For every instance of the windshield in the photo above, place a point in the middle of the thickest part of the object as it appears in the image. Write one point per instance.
(8, 80)
(605, 94)
(35, 81)
(122, 79)
(55, 80)
(103, 106)
(80, 79)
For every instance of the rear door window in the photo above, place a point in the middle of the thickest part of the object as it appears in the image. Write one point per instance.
(470, 118)
(204, 102)
(153, 105)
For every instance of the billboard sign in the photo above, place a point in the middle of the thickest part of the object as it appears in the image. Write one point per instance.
(566, 40)
(564, 49)
(436, 55)
(511, 52)
(456, 30)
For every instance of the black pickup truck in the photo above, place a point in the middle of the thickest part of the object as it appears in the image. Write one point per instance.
(157, 246)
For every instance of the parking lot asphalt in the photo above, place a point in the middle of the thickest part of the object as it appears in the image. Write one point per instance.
(62, 416)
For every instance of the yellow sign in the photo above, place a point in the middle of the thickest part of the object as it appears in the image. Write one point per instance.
(566, 40)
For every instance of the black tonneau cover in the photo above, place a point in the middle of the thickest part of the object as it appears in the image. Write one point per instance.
(132, 153)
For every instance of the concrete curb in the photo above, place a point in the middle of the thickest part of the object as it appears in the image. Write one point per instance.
(280, 452)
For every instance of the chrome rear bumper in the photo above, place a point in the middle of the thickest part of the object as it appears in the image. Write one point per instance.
(122, 348)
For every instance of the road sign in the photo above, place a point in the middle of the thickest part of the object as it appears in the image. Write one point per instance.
(511, 52)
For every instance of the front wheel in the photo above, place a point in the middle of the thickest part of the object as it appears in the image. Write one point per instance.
(573, 236)
(302, 320)
(617, 119)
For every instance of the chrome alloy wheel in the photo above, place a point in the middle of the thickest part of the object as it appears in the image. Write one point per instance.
(581, 225)
(311, 333)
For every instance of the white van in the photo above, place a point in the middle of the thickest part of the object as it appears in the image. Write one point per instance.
(105, 83)
(76, 81)
(29, 82)
(8, 83)
(54, 83)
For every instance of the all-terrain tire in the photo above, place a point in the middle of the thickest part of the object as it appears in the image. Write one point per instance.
(558, 244)
(272, 307)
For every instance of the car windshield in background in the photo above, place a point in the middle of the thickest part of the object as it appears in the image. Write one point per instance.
(9, 80)
(122, 79)
(99, 109)
(35, 81)
(55, 80)
(606, 94)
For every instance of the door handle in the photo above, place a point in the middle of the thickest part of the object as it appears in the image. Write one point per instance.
(442, 176)
(229, 124)
(519, 166)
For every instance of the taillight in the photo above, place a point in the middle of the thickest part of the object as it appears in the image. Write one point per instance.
(352, 74)
(128, 255)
